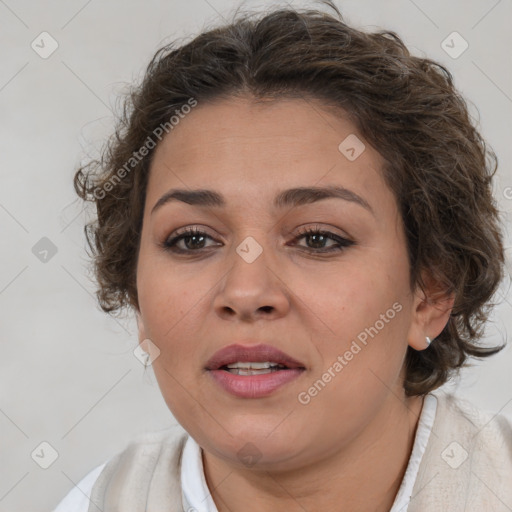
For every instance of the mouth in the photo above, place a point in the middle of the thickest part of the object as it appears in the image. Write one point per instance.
(253, 371)
(253, 368)
(252, 358)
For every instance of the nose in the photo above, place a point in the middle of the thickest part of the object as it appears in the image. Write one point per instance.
(252, 290)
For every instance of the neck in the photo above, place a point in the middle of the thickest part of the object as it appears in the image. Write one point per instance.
(362, 477)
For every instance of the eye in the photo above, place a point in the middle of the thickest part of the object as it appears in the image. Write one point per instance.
(319, 237)
(193, 240)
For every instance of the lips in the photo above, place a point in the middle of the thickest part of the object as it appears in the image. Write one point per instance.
(255, 353)
(255, 380)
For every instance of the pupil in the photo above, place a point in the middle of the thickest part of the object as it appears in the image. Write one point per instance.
(195, 237)
(317, 236)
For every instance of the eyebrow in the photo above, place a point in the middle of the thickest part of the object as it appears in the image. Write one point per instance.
(287, 198)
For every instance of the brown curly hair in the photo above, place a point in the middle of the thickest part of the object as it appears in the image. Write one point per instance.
(437, 164)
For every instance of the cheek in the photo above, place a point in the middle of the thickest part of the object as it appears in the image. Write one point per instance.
(353, 298)
(169, 306)
(167, 292)
(364, 317)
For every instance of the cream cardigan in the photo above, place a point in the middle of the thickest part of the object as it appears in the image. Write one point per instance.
(467, 466)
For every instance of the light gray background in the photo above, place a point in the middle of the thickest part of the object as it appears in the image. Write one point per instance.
(68, 374)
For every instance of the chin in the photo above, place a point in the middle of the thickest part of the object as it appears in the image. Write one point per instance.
(259, 454)
(254, 445)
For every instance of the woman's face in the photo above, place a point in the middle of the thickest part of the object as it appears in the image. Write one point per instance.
(339, 303)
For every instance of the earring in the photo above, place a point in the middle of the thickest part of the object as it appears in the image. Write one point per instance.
(428, 340)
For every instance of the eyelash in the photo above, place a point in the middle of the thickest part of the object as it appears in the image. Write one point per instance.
(343, 243)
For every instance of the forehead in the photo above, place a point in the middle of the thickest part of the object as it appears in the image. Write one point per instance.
(251, 150)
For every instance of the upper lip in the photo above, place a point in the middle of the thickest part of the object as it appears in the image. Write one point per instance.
(250, 353)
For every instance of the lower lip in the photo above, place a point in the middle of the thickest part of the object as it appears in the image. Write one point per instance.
(254, 386)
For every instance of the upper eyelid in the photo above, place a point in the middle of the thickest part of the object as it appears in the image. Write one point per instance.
(188, 230)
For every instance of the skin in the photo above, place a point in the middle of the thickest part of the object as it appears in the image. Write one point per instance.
(348, 448)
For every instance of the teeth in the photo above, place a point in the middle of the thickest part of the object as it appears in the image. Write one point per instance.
(253, 365)
(242, 371)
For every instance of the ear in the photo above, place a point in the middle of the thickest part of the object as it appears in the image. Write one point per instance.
(431, 312)
(140, 325)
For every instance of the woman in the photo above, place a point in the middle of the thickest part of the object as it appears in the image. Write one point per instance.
(300, 214)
